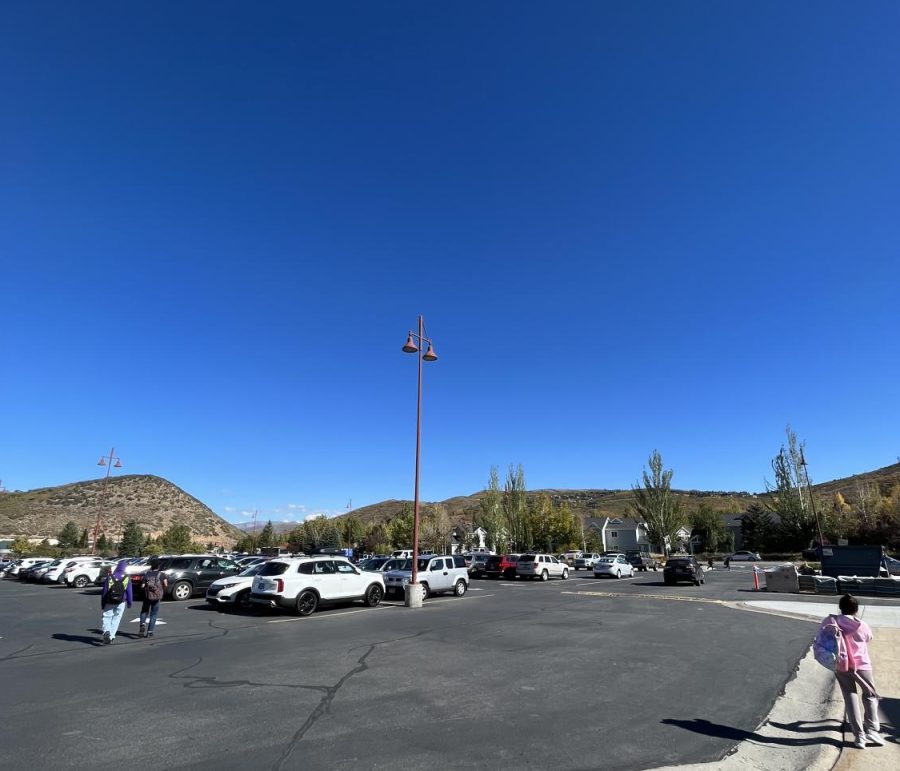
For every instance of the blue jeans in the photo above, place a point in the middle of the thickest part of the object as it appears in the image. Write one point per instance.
(151, 607)
(112, 615)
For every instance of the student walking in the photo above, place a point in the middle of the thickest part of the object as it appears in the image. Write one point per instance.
(155, 585)
(114, 596)
(863, 718)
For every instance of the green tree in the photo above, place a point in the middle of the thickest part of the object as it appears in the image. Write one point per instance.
(515, 511)
(656, 505)
(132, 540)
(21, 546)
(331, 535)
(247, 544)
(352, 531)
(267, 536)
(434, 529)
(83, 541)
(757, 528)
(785, 498)
(376, 540)
(490, 515)
(69, 536)
(709, 525)
(102, 544)
(400, 528)
(177, 539)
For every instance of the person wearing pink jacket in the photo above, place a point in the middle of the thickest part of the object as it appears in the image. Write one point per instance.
(863, 719)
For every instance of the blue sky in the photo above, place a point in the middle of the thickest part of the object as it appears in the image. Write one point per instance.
(628, 225)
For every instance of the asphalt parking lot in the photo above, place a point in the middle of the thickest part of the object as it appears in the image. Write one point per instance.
(579, 674)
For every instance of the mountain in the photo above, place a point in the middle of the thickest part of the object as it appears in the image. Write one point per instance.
(617, 503)
(151, 501)
(281, 527)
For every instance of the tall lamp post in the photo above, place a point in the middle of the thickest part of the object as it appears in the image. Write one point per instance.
(413, 593)
(812, 502)
(109, 467)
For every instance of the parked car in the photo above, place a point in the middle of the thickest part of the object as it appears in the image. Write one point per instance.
(36, 572)
(436, 574)
(586, 560)
(304, 583)
(234, 591)
(84, 574)
(27, 564)
(641, 560)
(570, 556)
(747, 556)
(613, 567)
(55, 572)
(191, 574)
(501, 565)
(683, 568)
(543, 566)
(476, 567)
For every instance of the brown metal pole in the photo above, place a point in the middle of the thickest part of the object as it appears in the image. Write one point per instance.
(415, 543)
(102, 501)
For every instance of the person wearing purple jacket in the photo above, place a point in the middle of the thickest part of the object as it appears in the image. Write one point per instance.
(114, 596)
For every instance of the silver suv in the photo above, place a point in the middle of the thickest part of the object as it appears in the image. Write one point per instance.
(301, 584)
(586, 560)
(436, 574)
(543, 566)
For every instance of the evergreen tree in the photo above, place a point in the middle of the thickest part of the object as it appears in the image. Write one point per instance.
(69, 536)
(83, 541)
(655, 504)
(132, 540)
(177, 539)
(757, 528)
(102, 544)
(266, 536)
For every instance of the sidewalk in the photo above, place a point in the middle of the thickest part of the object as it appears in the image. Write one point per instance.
(804, 730)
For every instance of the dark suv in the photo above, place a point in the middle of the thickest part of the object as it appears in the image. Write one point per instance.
(190, 575)
(683, 568)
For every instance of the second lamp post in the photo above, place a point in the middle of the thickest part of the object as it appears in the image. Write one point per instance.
(413, 591)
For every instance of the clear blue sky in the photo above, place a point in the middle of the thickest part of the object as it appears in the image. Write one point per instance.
(629, 226)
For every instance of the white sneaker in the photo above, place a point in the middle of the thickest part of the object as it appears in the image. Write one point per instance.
(860, 742)
(873, 737)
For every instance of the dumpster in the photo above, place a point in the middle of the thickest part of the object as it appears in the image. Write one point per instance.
(782, 578)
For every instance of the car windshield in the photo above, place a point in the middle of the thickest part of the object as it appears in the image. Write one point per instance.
(679, 562)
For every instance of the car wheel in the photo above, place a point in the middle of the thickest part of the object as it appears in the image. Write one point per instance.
(655, 568)
(242, 601)
(618, 574)
(182, 590)
(80, 582)
(565, 575)
(460, 588)
(306, 603)
(424, 591)
(374, 595)
(545, 576)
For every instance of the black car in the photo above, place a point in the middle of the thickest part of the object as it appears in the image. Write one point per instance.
(188, 576)
(683, 568)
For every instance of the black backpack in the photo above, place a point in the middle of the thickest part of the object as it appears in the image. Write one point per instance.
(115, 589)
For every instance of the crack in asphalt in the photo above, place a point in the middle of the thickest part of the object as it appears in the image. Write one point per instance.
(15, 654)
(324, 706)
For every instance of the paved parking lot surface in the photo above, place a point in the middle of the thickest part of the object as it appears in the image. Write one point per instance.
(577, 674)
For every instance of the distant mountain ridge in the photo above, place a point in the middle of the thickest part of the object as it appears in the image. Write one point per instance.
(154, 503)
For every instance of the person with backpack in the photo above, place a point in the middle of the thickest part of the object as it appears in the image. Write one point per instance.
(853, 669)
(155, 585)
(114, 596)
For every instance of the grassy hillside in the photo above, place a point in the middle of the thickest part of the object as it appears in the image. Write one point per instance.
(154, 503)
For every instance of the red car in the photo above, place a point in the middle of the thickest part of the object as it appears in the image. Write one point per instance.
(501, 566)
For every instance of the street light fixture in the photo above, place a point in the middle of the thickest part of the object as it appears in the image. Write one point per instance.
(109, 467)
(413, 593)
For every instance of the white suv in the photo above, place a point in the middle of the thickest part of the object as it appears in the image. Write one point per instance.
(586, 560)
(83, 573)
(302, 584)
(543, 566)
(436, 574)
(57, 569)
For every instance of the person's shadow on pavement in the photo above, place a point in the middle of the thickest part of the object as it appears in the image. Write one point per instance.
(78, 638)
(708, 728)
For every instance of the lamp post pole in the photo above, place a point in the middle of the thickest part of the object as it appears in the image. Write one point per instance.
(812, 501)
(109, 467)
(413, 594)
